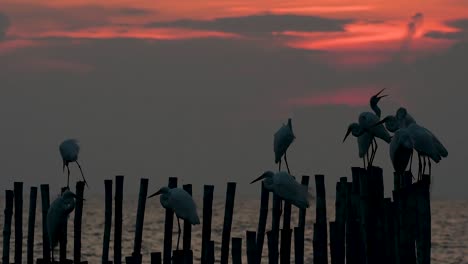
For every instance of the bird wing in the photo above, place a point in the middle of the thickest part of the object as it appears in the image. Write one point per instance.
(364, 142)
(56, 221)
(69, 149)
(281, 141)
(286, 187)
(423, 142)
(367, 120)
(183, 205)
(438, 145)
(399, 154)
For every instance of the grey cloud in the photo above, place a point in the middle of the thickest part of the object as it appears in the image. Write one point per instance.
(135, 11)
(461, 24)
(256, 24)
(4, 25)
(413, 25)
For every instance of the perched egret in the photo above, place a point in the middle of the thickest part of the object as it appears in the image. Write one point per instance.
(374, 102)
(57, 217)
(401, 150)
(69, 149)
(181, 202)
(286, 187)
(404, 118)
(364, 140)
(282, 139)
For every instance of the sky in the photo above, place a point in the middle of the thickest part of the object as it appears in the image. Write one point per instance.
(196, 89)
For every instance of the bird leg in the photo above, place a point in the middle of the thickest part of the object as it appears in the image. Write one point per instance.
(364, 161)
(411, 161)
(430, 170)
(419, 165)
(374, 151)
(279, 165)
(178, 237)
(68, 179)
(286, 161)
(82, 175)
(424, 167)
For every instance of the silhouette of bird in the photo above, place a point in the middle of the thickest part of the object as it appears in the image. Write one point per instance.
(281, 142)
(286, 187)
(57, 217)
(374, 102)
(364, 141)
(69, 150)
(181, 203)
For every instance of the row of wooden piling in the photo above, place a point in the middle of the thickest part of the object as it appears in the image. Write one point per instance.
(368, 228)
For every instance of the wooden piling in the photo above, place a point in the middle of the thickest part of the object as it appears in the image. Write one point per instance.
(375, 221)
(285, 250)
(320, 227)
(273, 240)
(340, 220)
(210, 253)
(64, 239)
(262, 219)
(423, 218)
(352, 226)
(107, 221)
(45, 200)
(228, 212)
(119, 181)
(302, 212)
(334, 254)
(18, 190)
(9, 196)
(207, 213)
(272, 244)
(187, 243)
(299, 245)
(140, 219)
(155, 257)
(236, 250)
(405, 224)
(77, 222)
(251, 248)
(388, 231)
(168, 227)
(31, 224)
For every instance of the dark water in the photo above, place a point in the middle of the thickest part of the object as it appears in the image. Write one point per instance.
(449, 229)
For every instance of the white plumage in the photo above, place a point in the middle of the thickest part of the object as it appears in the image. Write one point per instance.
(286, 187)
(281, 142)
(401, 150)
(181, 202)
(69, 150)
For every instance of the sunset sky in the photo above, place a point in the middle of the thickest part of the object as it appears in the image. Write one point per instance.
(196, 89)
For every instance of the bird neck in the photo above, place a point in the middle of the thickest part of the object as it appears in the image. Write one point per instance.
(376, 109)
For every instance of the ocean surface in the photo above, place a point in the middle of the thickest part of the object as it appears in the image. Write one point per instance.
(449, 229)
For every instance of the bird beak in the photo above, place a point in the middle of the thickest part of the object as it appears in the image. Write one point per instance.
(263, 176)
(382, 96)
(347, 134)
(154, 194)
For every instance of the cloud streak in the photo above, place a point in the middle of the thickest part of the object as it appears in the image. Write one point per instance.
(4, 25)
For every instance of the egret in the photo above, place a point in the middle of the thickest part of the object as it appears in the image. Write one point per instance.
(286, 187)
(281, 142)
(374, 102)
(69, 149)
(364, 140)
(181, 203)
(57, 217)
(404, 118)
(401, 150)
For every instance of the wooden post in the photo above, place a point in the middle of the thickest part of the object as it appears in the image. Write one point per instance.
(320, 226)
(228, 212)
(423, 238)
(207, 212)
(140, 219)
(340, 220)
(236, 250)
(273, 240)
(31, 224)
(264, 200)
(45, 200)
(178, 257)
(299, 245)
(78, 220)
(352, 226)
(251, 248)
(9, 196)
(18, 190)
(302, 212)
(155, 257)
(405, 215)
(375, 214)
(64, 239)
(168, 227)
(355, 249)
(210, 254)
(285, 255)
(364, 211)
(334, 254)
(107, 221)
(187, 244)
(119, 181)
(389, 241)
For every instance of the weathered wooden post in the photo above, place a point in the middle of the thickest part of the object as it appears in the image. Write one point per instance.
(45, 200)
(302, 212)
(355, 248)
(31, 224)
(78, 220)
(340, 220)
(389, 241)
(375, 214)
(236, 250)
(207, 213)
(273, 238)
(187, 243)
(334, 255)
(140, 220)
(210, 253)
(251, 247)
(262, 219)
(64, 239)
(107, 221)
(423, 238)
(119, 181)
(168, 227)
(155, 257)
(285, 247)
(299, 245)
(228, 212)
(9, 196)
(18, 190)
(320, 226)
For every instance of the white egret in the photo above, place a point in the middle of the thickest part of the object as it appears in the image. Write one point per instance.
(181, 203)
(374, 102)
(69, 149)
(281, 142)
(286, 187)
(57, 217)
(364, 141)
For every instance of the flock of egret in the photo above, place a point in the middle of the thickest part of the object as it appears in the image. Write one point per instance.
(407, 136)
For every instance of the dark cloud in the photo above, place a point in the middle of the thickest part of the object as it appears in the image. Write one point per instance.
(135, 11)
(4, 25)
(260, 24)
(462, 34)
(414, 24)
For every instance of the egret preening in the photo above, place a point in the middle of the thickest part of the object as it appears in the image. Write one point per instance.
(282, 139)
(57, 217)
(181, 202)
(69, 149)
(286, 187)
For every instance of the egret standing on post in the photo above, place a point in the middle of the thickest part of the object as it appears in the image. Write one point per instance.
(281, 142)
(69, 149)
(181, 203)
